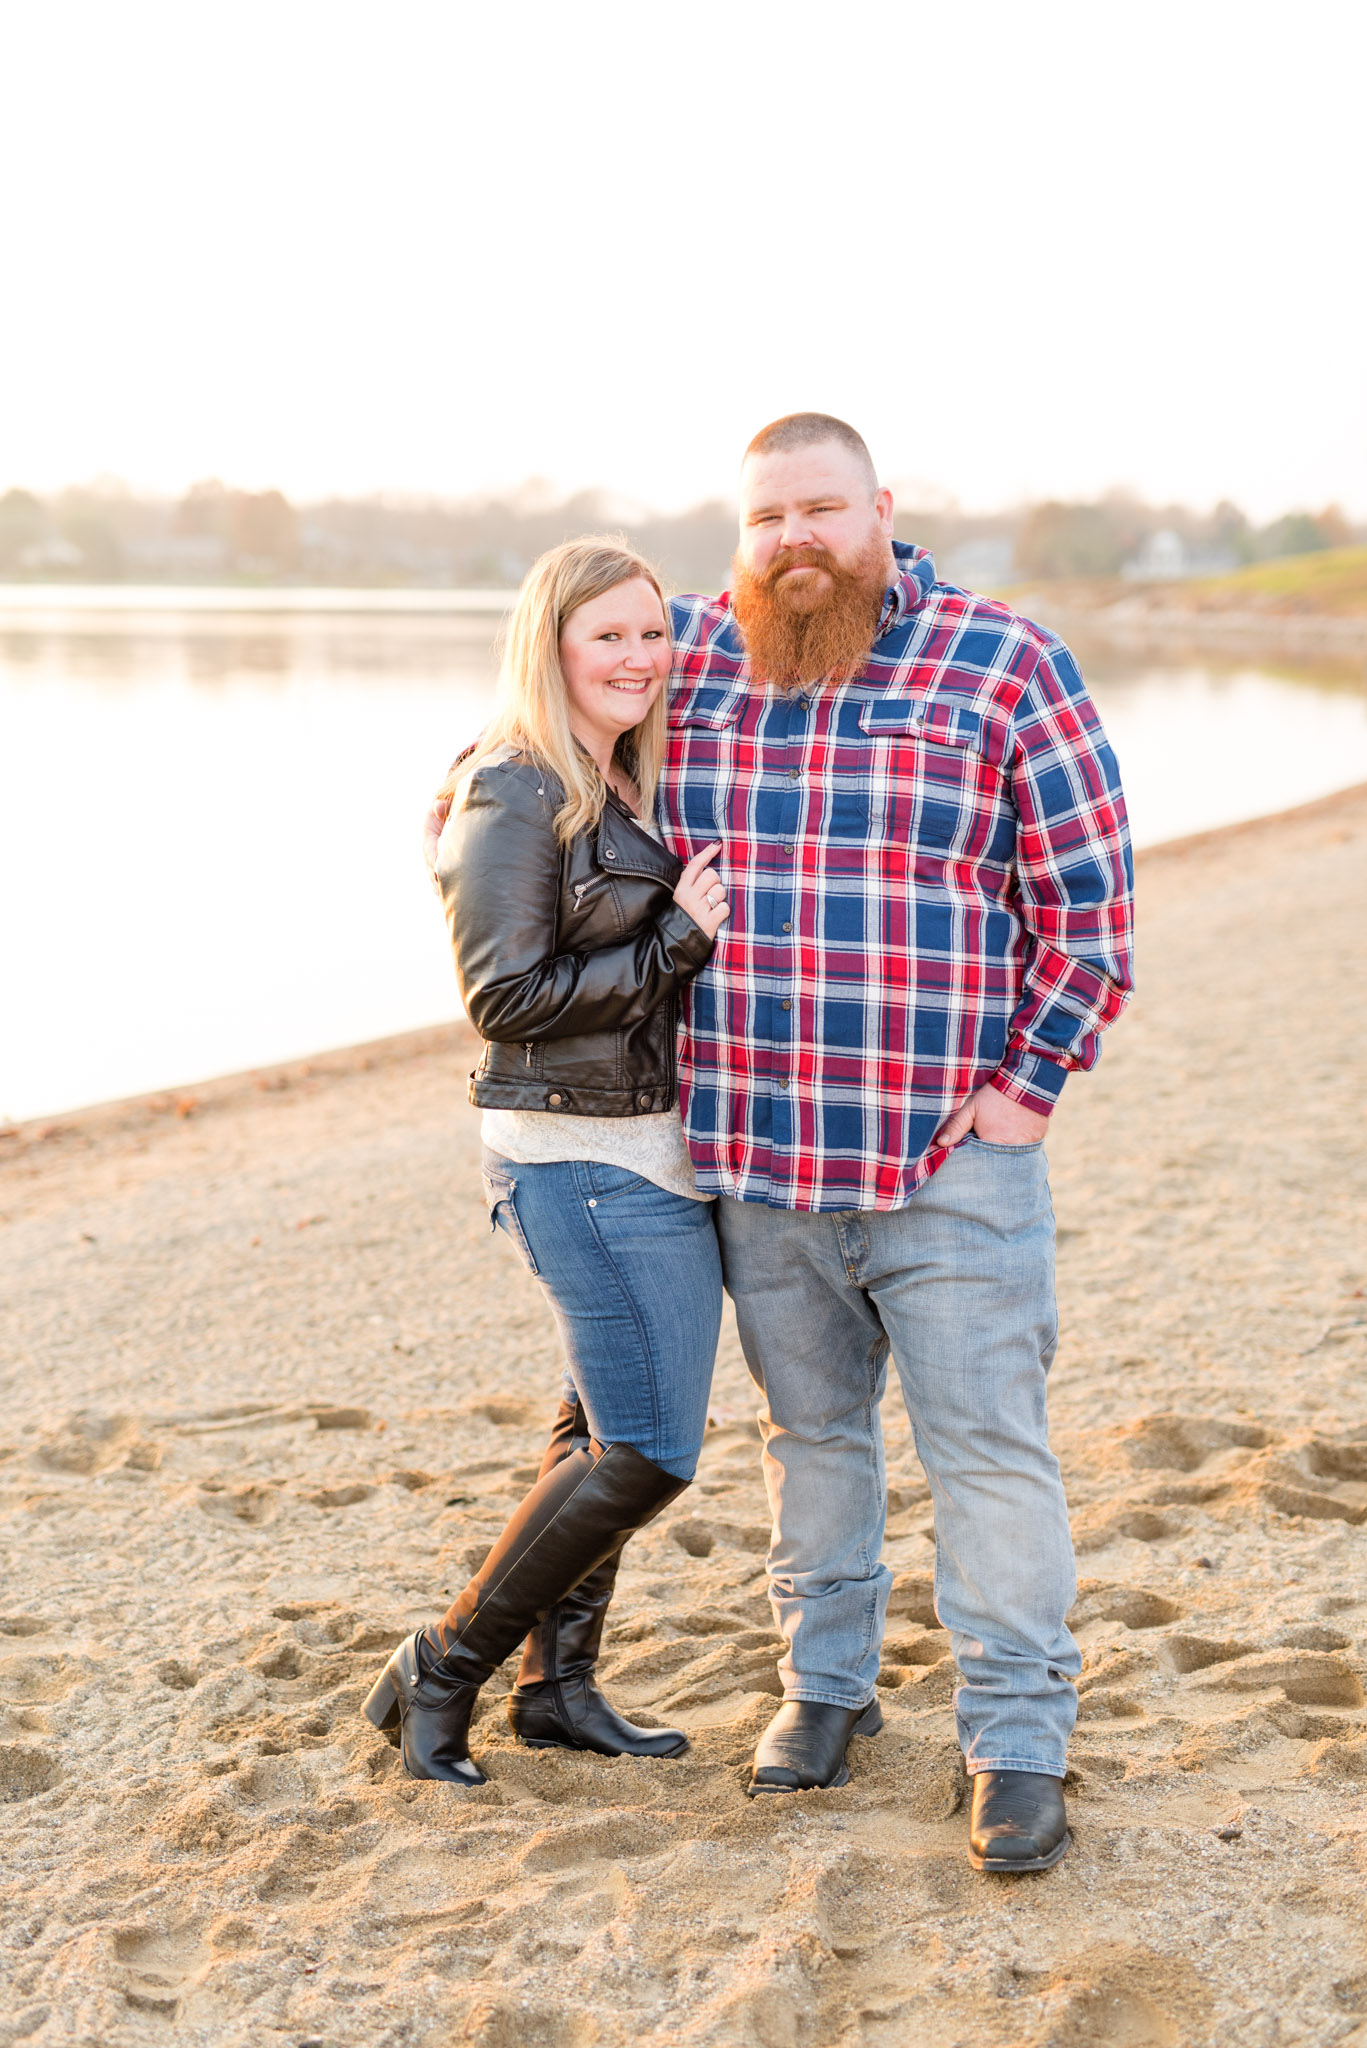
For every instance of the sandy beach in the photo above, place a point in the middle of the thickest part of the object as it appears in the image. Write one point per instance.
(270, 1386)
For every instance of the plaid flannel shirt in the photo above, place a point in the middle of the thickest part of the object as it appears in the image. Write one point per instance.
(930, 886)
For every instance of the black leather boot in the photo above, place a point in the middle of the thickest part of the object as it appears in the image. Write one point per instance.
(803, 1748)
(425, 1714)
(580, 1513)
(1019, 1821)
(556, 1703)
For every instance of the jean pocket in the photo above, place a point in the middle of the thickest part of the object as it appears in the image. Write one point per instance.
(500, 1191)
(985, 1145)
(607, 1182)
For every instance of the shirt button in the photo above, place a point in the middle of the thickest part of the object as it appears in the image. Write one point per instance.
(556, 1101)
(782, 1086)
(787, 1004)
(794, 775)
(789, 849)
(787, 925)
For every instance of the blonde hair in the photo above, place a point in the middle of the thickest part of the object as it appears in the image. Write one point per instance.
(532, 709)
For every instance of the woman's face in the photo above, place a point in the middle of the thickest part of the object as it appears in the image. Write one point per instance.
(614, 652)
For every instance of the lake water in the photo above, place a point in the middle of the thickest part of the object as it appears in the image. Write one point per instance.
(209, 838)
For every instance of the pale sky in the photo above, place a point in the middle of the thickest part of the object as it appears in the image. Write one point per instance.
(432, 245)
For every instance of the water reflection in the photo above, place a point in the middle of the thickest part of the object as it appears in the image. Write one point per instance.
(209, 838)
(1200, 748)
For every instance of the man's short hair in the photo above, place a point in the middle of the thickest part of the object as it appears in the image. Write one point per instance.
(808, 430)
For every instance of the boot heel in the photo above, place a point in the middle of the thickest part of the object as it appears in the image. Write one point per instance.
(382, 1707)
(870, 1722)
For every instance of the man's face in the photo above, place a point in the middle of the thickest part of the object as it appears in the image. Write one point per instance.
(816, 497)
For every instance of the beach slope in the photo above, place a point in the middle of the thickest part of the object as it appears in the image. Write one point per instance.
(270, 1386)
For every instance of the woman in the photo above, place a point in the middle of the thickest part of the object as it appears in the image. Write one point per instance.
(573, 931)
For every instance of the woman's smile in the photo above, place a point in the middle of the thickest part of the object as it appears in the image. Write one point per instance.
(625, 624)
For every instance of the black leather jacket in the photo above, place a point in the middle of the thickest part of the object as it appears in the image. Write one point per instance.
(569, 958)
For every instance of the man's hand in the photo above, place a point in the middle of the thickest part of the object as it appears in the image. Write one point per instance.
(431, 831)
(996, 1119)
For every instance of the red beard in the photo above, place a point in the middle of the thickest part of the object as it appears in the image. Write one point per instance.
(797, 633)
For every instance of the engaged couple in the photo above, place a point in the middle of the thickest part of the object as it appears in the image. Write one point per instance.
(784, 917)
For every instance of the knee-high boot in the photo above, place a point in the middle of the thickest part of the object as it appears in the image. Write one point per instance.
(556, 1703)
(581, 1512)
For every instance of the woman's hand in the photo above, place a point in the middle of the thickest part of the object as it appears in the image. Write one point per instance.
(432, 826)
(701, 894)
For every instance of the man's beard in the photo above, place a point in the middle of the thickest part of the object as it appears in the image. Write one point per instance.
(797, 635)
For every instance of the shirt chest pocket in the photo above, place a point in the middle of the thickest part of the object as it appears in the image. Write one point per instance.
(693, 793)
(928, 770)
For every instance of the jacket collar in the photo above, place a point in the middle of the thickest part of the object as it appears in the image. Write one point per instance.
(624, 847)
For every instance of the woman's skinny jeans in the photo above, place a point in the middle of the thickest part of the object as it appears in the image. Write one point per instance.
(632, 1274)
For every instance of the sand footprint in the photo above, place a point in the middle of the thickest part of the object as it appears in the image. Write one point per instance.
(519, 2023)
(253, 1504)
(155, 1969)
(1310, 1678)
(1182, 1443)
(26, 1771)
(341, 1496)
(699, 1538)
(1135, 1607)
(1098, 1527)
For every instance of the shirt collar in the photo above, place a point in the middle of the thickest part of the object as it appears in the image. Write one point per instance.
(912, 587)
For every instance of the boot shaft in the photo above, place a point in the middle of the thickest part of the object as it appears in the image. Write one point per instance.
(576, 1517)
(568, 1641)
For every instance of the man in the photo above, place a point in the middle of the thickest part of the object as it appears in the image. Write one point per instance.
(927, 861)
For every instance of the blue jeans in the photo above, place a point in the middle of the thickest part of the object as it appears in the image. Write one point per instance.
(633, 1277)
(959, 1287)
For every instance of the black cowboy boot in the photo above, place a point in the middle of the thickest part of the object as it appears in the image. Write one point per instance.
(1018, 1822)
(580, 1513)
(803, 1748)
(556, 1704)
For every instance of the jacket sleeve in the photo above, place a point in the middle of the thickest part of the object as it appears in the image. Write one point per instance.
(1075, 879)
(498, 868)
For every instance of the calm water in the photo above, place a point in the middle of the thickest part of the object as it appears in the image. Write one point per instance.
(209, 835)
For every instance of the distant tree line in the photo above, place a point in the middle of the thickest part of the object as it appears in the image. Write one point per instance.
(215, 534)
(1118, 533)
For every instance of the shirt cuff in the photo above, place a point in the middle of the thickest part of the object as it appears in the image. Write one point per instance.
(1031, 1079)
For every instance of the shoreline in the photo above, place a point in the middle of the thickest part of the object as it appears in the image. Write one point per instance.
(194, 1099)
(1205, 632)
(30, 602)
(1128, 622)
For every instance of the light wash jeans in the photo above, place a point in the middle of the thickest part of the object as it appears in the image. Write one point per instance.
(633, 1277)
(959, 1286)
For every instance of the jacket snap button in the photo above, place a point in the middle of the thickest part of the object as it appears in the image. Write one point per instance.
(556, 1101)
(608, 853)
(645, 1101)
